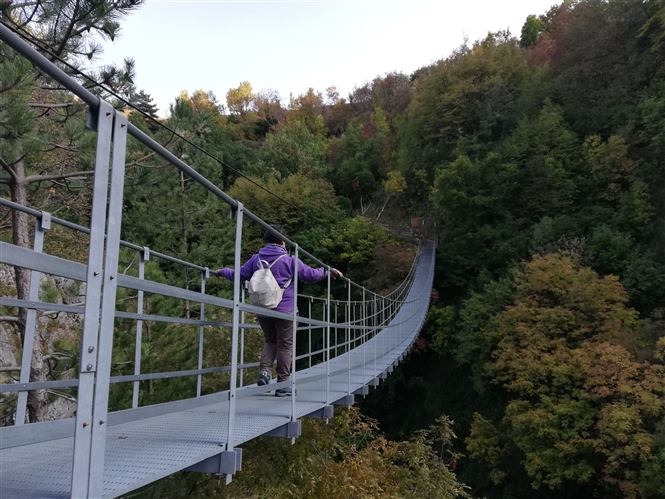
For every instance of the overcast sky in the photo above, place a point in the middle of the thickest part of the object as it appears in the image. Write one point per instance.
(291, 45)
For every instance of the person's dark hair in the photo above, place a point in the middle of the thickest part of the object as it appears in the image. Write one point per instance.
(272, 235)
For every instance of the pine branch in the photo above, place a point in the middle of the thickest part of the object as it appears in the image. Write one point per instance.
(5, 166)
(72, 22)
(51, 178)
(50, 106)
(55, 146)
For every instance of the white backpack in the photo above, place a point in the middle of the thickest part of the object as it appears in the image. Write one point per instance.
(262, 288)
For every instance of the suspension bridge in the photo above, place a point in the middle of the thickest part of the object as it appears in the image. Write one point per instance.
(344, 344)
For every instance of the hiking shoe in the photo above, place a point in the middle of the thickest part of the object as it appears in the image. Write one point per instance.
(264, 378)
(283, 392)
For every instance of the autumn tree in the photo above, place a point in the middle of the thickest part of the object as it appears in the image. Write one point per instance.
(337, 113)
(308, 108)
(269, 111)
(239, 99)
(580, 407)
(347, 457)
(392, 93)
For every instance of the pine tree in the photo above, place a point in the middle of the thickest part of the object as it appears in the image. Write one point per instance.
(35, 153)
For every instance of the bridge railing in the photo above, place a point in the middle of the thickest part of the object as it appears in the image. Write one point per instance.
(353, 322)
(113, 310)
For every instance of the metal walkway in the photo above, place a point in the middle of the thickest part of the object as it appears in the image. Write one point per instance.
(344, 344)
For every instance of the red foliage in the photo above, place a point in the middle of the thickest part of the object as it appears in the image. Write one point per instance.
(551, 43)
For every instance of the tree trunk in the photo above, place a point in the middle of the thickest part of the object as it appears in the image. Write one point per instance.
(383, 207)
(37, 399)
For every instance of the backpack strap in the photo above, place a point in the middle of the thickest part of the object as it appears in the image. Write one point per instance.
(287, 283)
(275, 260)
(263, 264)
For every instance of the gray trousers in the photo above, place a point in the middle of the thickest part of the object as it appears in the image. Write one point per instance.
(278, 345)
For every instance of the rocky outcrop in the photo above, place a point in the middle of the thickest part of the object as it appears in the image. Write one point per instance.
(56, 345)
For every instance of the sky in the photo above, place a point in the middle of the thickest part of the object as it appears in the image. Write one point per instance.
(292, 45)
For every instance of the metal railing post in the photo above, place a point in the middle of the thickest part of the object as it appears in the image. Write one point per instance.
(138, 343)
(353, 327)
(234, 332)
(364, 332)
(81, 467)
(309, 329)
(336, 331)
(348, 334)
(323, 330)
(202, 315)
(295, 331)
(327, 340)
(374, 330)
(42, 225)
(242, 337)
(108, 305)
(384, 340)
(102, 374)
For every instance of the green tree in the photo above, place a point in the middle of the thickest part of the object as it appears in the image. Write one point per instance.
(193, 223)
(361, 159)
(651, 143)
(462, 104)
(547, 155)
(353, 243)
(292, 148)
(530, 31)
(392, 93)
(596, 62)
(481, 235)
(299, 203)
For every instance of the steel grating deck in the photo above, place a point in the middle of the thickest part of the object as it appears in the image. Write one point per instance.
(141, 451)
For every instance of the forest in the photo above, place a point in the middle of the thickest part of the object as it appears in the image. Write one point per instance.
(537, 162)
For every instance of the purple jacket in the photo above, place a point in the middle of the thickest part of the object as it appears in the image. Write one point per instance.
(282, 270)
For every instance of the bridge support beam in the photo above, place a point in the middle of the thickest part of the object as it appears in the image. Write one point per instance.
(292, 429)
(326, 412)
(346, 401)
(224, 463)
(363, 390)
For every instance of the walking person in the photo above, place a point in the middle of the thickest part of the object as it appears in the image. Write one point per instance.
(278, 333)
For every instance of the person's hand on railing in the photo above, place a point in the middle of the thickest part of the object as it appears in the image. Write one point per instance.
(334, 273)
